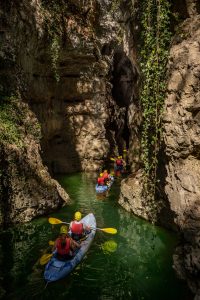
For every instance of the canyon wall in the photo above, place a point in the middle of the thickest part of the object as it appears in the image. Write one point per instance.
(182, 145)
(77, 73)
(72, 68)
(72, 65)
(179, 165)
(27, 190)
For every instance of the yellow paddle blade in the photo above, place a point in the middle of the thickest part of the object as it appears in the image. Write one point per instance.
(51, 243)
(54, 221)
(109, 230)
(45, 258)
(112, 159)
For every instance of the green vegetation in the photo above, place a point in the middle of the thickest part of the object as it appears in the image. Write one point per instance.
(155, 20)
(53, 12)
(13, 123)
(115, 5)
(55, 48)
(9, 122)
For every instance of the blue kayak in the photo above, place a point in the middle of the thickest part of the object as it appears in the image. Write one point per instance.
(104, 188)
(101, 188)
(57, 269)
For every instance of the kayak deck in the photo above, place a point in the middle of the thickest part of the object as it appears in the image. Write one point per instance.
(57, 269)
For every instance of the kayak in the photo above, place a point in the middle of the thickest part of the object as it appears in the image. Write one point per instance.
(101, 188)
(57, 269)
(104, 188)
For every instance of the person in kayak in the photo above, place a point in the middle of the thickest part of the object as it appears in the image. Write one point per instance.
(119, 164)
(64, 245)
(101, 180)
(105, 176)
(78, 230)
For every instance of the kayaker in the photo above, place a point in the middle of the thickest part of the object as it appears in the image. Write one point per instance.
(105, 176)
(119, 164)
(101, 180)
(64, 245)
(78, 230)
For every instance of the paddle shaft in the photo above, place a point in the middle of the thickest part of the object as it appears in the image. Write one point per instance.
(55, 221)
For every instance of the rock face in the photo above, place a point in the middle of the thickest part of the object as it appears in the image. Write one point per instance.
(131, 197)
(180, 174)
(74, 66)
(182, 144)
(27, 190)
(68, 56)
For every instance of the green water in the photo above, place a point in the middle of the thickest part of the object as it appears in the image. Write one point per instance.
(134, 264)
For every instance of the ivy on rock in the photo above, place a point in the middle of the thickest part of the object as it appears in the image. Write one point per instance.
(155, 40)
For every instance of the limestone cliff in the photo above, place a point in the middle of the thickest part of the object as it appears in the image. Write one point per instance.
(73, 64)
(70, 67)
(179, 166)
(67, 55)
(182, 145)
(27, 190)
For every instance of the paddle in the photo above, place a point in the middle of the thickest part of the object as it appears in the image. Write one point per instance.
(51, 243)
(111, 158)
(55, 221)
(45, 258)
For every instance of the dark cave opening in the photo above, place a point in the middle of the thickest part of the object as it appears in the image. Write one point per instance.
(124, 76)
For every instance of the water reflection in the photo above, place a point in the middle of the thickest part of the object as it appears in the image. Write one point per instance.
(109, 246)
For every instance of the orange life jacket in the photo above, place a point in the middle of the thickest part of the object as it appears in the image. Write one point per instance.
(77, 228)
(101, 181)
(63, 250)
(105, 175)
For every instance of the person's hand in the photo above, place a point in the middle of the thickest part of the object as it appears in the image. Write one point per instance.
(78, 245)
(87, 229)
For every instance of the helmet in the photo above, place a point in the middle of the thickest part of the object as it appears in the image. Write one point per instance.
(119, 157)
(63, 229)
(101, 174)
(77, 216)
(124, 150)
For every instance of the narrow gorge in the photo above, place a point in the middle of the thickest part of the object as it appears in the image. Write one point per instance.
(79, 84)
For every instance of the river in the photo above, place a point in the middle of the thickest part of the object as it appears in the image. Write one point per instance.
(134, 264)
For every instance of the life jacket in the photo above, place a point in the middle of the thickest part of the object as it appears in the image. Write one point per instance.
(105, 175)
(63, 250)
(101, 181)
(119, 162)
(76, 228)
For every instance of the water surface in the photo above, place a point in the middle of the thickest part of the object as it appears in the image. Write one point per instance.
(134, 264)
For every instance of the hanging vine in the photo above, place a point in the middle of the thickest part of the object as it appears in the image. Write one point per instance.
(155, 20)
(53, 12)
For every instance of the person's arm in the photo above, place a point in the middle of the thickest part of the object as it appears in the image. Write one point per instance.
(123, 162)
(74, 244)
(86, 229)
